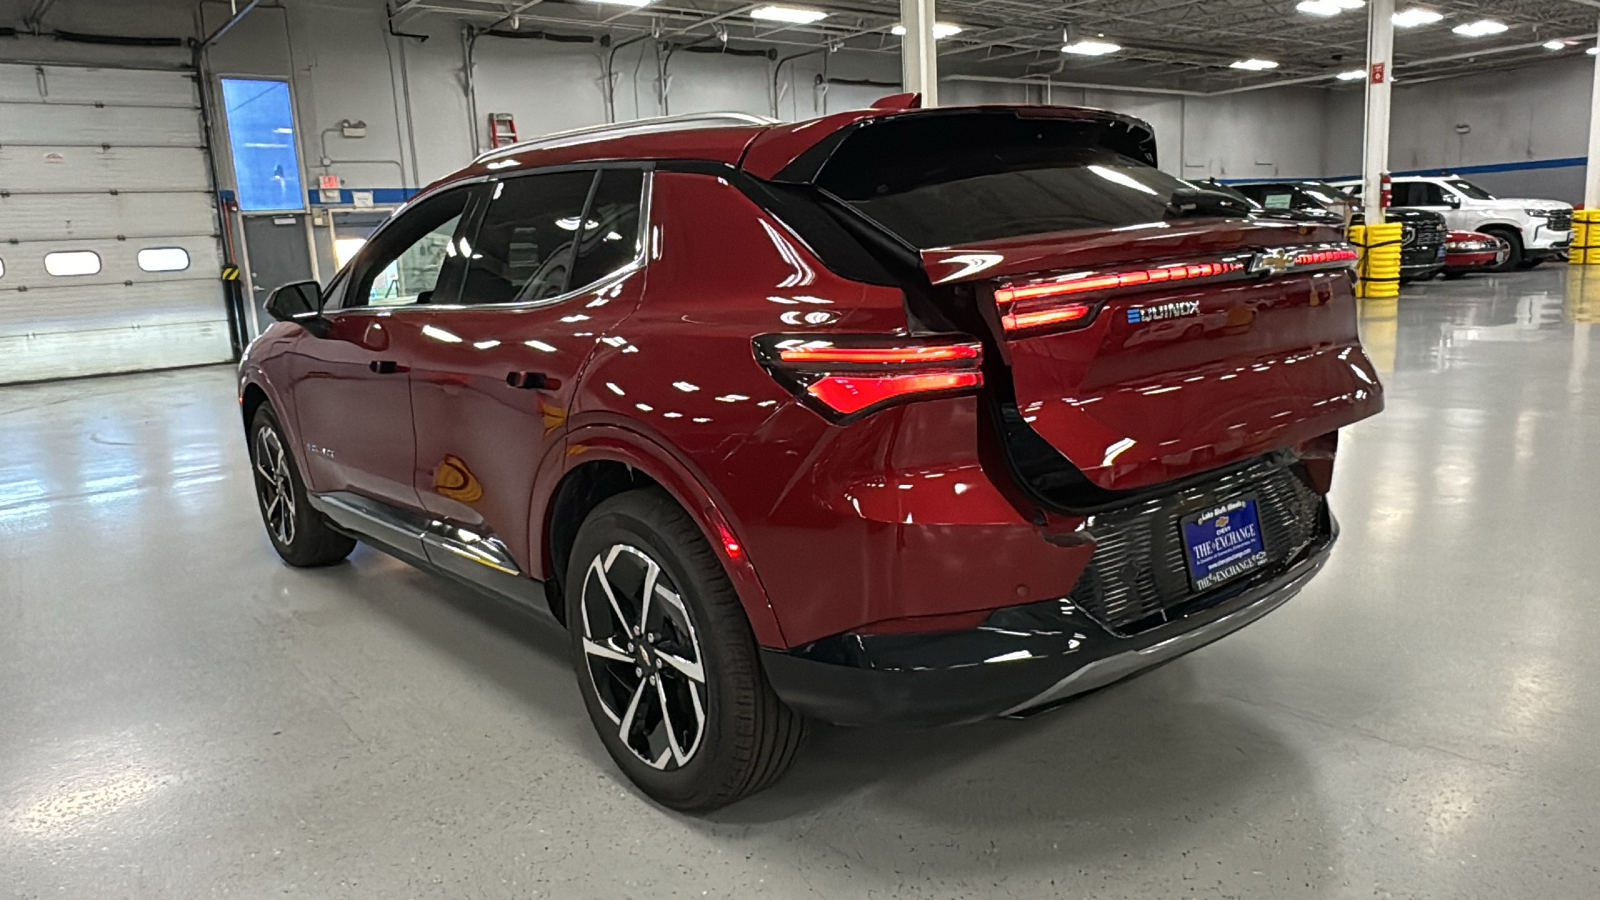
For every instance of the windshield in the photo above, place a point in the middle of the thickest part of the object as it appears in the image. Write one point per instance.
(943, 180)
(1470, 190)
(1328, 194)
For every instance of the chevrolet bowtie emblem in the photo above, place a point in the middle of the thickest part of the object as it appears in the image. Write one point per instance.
(1271, 262)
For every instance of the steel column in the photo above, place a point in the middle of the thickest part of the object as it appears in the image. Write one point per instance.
(919, 63)
(1591, 187)
(1380, 75)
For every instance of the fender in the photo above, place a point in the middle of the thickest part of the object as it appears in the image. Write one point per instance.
(595, 442)
(252, 374)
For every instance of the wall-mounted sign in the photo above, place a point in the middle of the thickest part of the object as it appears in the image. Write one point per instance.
(328, 182)
(1378, 73)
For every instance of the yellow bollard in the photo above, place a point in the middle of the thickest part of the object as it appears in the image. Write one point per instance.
(1358, 238)
(1585, 237)
(1577, 254)
(1380, 260)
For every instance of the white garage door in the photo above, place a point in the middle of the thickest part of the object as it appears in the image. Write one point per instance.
(108, 244)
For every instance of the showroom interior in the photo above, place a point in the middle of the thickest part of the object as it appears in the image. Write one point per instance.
(183, 714)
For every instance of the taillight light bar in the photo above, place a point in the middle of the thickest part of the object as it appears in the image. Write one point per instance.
(1042, 304)
(1323, 257)
(1084, 282)
(848, 376)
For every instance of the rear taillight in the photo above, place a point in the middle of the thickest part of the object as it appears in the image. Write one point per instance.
(1043, 303)
(1072, 301)
(849, 376)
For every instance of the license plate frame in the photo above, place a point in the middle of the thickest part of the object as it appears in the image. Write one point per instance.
(1223, 542)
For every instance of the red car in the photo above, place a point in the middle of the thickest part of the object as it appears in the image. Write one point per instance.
(1471, 251)
(896, 416)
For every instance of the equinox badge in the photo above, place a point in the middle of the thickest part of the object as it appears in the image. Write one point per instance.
(1141, 314)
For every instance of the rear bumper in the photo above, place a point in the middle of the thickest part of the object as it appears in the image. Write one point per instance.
(1023, 659)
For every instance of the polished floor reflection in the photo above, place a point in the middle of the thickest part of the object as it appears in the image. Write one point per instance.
(181, 715)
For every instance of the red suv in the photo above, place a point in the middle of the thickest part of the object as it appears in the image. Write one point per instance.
(896, 416)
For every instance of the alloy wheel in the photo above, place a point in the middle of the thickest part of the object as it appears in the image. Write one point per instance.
(274, 486)
(643, 657)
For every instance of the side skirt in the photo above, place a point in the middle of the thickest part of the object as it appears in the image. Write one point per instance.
(477, 560)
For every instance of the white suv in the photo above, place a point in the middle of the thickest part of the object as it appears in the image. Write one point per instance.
(1537, 230)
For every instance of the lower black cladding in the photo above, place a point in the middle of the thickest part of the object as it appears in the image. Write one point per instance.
(1138, 578)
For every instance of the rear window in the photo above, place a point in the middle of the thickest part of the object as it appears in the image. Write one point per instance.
(941, 180)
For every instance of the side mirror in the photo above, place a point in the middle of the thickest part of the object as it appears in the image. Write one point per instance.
(1452, 201)
(301, 303)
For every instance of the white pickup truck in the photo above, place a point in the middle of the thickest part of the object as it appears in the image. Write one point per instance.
(1536, 230)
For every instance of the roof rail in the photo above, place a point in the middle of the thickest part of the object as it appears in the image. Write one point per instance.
(628, 129)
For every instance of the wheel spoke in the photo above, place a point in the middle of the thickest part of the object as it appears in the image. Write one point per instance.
(692, 670)
(599, 572)
(607, 652)
(625, 728)
(652, 574)
(678, 755)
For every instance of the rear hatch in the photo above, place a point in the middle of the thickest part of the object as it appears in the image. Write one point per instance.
(1143, 340)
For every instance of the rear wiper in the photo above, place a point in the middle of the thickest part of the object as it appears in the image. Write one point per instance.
(1190, 203)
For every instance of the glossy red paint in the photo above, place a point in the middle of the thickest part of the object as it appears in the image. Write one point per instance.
(907, 515)
(1460, 257)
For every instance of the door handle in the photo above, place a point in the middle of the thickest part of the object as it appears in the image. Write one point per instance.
(531, 381)
(386, 367)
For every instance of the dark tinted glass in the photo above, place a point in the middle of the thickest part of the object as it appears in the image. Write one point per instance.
(523, 249)
(611, 230)
(413, 259)
(938, 180)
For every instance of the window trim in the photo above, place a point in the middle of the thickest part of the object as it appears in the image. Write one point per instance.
(188, 259)
(640, 260)
(99, 263)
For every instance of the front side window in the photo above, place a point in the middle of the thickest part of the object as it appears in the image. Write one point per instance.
(943, 180)
(406, 262)
(525, 246)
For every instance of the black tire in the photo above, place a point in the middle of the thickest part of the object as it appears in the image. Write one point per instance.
(303, 538)
(1455, 274)
(1514, 241)
(637, 679)
(1530, 262)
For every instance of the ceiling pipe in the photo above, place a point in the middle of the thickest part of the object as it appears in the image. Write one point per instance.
(228, 25)
(1080, 85)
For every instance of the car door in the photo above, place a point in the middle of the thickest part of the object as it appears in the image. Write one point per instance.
(556, 263)
(351, 387)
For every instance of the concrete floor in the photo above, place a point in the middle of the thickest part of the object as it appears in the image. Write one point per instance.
(181, 715)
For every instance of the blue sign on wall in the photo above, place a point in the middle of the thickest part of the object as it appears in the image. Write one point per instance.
(261, 140)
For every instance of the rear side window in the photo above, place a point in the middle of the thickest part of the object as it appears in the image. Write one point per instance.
(524, 248)
(611, 228)
(942, 180)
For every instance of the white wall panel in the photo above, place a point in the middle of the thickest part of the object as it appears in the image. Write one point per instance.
(24, 264)
(547, 88)
(705, 82)
(118, 87)
(78, 126)
(43, 357)
(47, 217)
(46, 169)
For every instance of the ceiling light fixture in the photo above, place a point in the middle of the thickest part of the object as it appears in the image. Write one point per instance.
(1319, 7)
(941, 30)
(1555, 45)
(1254, 65)
(1593, 51)
(792, 15)
(1350, 4)
(1480, 28)
(1091, 48)
(1415, 16)
(1352, 75)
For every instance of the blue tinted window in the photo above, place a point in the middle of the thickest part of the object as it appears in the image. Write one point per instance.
(261, 139)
